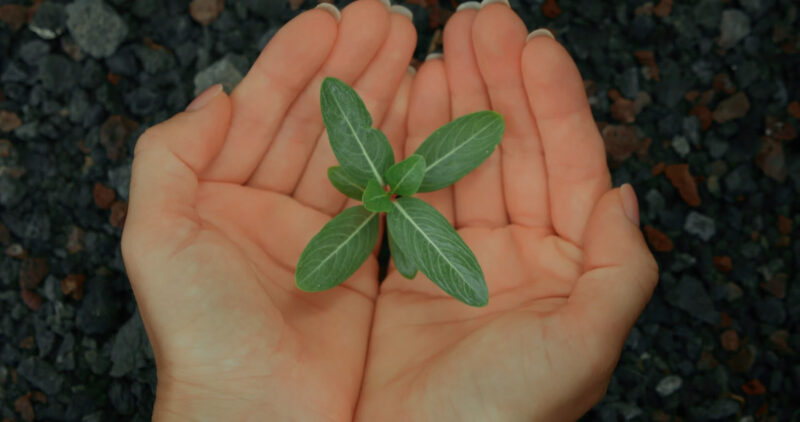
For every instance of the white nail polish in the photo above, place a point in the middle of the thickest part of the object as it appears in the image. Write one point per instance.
(468, 5)
(402, 10)
(412, 70)
(485, 3)
(333, 10)
(434, 56)
(387, 3)
(540, 32)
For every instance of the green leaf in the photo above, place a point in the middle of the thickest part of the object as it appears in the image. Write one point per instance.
(338, 250)
(344, 183)
(439, 252)
(361, 150)
(405, 266)
(375, 198)
(406, 176)
(458, 147)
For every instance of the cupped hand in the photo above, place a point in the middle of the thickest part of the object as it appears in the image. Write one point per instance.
(225, 196)
(567, 268)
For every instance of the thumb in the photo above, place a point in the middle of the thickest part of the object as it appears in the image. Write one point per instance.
(620, 273)
(167, 159)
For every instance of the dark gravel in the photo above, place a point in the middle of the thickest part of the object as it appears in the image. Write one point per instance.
(698, 102)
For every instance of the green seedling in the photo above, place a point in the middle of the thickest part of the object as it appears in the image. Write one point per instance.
(420, 238)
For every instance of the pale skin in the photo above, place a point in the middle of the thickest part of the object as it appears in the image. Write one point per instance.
(224, 198)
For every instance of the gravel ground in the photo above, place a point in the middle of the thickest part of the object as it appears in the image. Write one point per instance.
(696, 101)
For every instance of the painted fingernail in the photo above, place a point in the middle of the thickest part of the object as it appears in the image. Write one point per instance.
(540, 32)
(204, 98)
(485, 3)
(629, 203)
(333, 10)
(387, 3)
(412, 70)
(434, 56)
(403, 11)
(468, 5)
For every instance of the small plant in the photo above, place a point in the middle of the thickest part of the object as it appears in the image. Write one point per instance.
(420, 238)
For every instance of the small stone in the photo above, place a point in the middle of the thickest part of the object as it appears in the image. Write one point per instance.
(75, 240)
(72, 286)
(729, 340)
(770, 310)
(663, 8)
(648, 59)
(722, 83)
(551, 9)
(628, 82)
(206, 11)
(32, 271)
(669, 385)
(706, 361)
(732, 108)
(49, 20)
(641, 101)
(700, 225)
(9, 121)
(659, 241)
(58, 74)
(119, 210)
(776, 285)
(794, 109)
(681, 145)
(754, 387)
(779, 130)
(703, 114)
(771, 160)
(621, 141)
(784, 225)
(128, 351)
(24, 407)
(743, 361)
(734, 27)
(114, 135)
(691, 296)
(723, 263)
(96, 27)
(623, 110)
(31, 299)
(723, 409)
(103, 196)
(682, 180)
(43, 376)
(780, 339)
(32, 52)
(14, 15)
(222, 72)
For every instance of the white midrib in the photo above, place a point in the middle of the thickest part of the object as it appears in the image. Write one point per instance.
(453, 151)
(402, 179)
(360, 144)
(422, 232)
(341, 245)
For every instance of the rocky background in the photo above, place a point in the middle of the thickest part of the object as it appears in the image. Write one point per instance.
(697, 102)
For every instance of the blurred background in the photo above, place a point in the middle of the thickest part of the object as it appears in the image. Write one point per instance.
(697, 102)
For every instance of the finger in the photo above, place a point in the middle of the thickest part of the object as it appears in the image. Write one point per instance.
(620, 273)
(260, 101)
(478, 196)
(428, 110)
(498, 36)
(577, 173)
(167, 159)
(362, 31)
(377, 87)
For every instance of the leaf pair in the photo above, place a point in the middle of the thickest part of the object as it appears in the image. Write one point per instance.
(419, 237)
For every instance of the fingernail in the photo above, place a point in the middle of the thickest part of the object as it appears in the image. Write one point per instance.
(468, 5)
(485, 3)
(403, 11)
(412, 70)
(387, 4)
(203, 99)
(333, 10)
(629, 203)
(434, 56)
(540, 32)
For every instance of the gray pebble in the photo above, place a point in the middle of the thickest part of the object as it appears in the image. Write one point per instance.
(96, 27)
(700, 225)
(669, 385)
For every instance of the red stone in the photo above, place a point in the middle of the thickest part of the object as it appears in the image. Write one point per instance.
(119, 210)
(723, 263)
(33, 300)
(15, 250)
(207, 11)
(794, 109)
(729, 340)
(658, 169)
(744, 360)
(32, 272)
(551, 9)
(780, 339)
(784, 225)
(75, 240)
(682, 180)
(722, 83)
(9, 121)
(72, 285)
(659, 241)
(24, 407)
(5, 148)
(103, 196)
(754, 387)
(14, 15)
(780, 130)
(703, 114)
(623, 110)
(663, 8)
(621, 141)
(776, 285)
(771, 160)
(114, 133)
(732, 108)
(647, 58)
